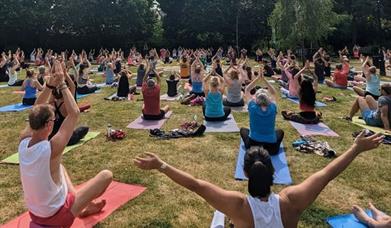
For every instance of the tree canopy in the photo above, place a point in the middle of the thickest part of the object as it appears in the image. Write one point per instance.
(61, 24)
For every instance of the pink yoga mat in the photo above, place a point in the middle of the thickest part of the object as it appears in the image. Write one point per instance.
(313, 129)
(140, 123)
(116, 195)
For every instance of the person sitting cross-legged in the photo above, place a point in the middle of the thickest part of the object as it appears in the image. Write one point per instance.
(213, 108)
(50, 196)
(151, 94)
(262, 111)
(374, 113)
(261, 207)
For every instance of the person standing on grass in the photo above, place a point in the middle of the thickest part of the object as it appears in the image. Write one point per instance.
(49, 194)
(263, 208)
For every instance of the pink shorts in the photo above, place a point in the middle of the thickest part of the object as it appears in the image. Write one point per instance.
(62, 218)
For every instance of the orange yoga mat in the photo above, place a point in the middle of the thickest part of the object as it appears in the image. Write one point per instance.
(116, 195)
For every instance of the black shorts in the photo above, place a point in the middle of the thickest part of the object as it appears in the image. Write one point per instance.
(28, 101)
(154, 117)
(370, 94)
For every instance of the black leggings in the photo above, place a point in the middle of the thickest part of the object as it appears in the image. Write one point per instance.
(28, 101)
(272, 148)
(227, 112)
(230, 104)
(17, 83)
(155, 117)
(86, 90)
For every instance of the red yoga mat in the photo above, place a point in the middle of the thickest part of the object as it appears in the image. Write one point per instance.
(116, 195)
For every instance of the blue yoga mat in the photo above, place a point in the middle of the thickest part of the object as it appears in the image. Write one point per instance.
(15, 108)
(80, 96)
(347, 221)
(281, 169)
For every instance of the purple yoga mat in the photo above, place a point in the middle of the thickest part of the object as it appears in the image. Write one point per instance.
(228, 125)
(313, 129)
(140, 123)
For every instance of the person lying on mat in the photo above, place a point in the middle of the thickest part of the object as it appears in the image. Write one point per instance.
(172, 84)
(213, 108)
(262, 110)
(13, 73)
(262, 207)
(30, 87)
(234, 83)
(50, 94)
(151, 94)
(49, 194)
(374, 113)
(379, 220)
(84, 85)
(372, 81)
(339, 79)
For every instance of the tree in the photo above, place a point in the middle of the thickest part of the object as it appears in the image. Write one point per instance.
(300, 22)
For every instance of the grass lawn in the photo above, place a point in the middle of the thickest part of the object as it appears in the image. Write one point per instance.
(212, 158)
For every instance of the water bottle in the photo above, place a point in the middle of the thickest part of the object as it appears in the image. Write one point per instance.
(109, 130)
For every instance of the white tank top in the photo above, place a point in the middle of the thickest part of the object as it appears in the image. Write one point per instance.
(43, 197)
(266, 214)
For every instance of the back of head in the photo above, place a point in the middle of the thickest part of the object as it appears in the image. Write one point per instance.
(41, 70)
(372, 70)
(214, 82)
(339, 67)
(262, 97)
(29, 74)
(40, 115)
(172, 77)
(234, 75)
(151, 83)
(259, 170)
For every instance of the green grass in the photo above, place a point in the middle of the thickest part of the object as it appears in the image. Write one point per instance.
(212, 157)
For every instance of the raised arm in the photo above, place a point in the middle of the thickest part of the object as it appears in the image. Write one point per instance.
(251, 86)
(228, 202)
(61, 139)
(301, 196)
(205, 84)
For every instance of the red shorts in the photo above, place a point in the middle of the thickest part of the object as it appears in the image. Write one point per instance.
(63, 217)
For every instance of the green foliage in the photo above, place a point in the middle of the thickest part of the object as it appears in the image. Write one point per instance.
(300, 21)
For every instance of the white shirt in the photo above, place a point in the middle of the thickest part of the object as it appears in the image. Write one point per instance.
(12, 77)
(43, 197)
(266, 214)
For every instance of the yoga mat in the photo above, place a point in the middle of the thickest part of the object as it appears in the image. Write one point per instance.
(361, 123)
(240, 109)
(4, 86)
(80, 96)
(140, 123)
(116, 195)
(296, 101)
(280, 164)
(15, 108)
(14, 159)
(346, 221)
(100, 85)
(19, 92)
(313, 129)
(228, 125)
(218, 220)
(110, 98)
(165, 97)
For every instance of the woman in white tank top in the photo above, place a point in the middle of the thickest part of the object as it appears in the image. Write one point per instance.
(262, 208)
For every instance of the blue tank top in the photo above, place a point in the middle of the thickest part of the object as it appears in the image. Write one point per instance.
(197, 87)
(373, 85)
(109, 76)
(30, 92)
(262, 123)
(214, 105)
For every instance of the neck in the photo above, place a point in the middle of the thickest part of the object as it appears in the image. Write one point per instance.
(37, 137)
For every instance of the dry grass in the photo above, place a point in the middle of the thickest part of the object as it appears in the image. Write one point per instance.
(211, 157)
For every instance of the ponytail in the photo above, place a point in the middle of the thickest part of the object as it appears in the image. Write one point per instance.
(259, 170)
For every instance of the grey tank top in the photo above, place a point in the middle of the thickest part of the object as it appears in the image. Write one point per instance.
(234, 94)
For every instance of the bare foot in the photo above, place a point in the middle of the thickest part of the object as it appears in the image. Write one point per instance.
(92, 208)
(360, 214)
(379, 215)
